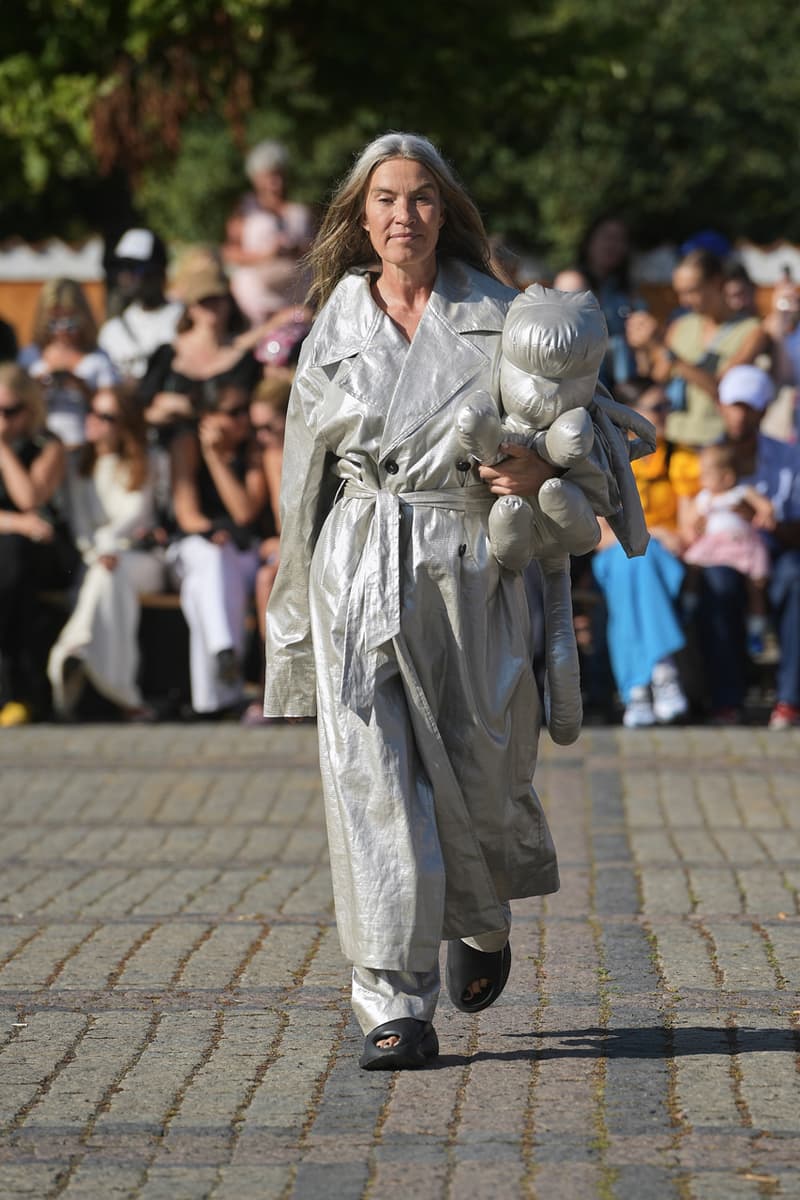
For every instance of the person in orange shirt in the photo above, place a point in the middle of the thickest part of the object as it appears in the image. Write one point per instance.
(645, 630)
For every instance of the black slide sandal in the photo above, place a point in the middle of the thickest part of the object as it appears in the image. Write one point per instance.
(466, 965)
(418, 1044)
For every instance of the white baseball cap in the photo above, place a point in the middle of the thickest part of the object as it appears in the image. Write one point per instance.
(140, 245)
(747, 385)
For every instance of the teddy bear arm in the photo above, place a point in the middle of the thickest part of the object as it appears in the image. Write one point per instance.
(478, 428)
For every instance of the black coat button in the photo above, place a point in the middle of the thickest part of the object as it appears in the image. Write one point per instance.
(391, 466)
(463, 464)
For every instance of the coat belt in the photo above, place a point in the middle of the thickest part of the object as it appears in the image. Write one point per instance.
(373, 608)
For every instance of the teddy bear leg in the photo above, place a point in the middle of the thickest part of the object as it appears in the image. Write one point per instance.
(563, 704)
(569, 439)
(511, 532)
(566, 507)
(478, 428)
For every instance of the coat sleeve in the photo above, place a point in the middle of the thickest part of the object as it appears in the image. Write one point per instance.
(307, 492)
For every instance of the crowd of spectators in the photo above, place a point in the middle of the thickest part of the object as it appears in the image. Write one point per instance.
(717, 595)
(144, 456)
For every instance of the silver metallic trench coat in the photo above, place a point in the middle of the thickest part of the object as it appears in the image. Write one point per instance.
(391, 619)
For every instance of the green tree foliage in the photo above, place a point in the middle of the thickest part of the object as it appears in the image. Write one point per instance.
(680, 113)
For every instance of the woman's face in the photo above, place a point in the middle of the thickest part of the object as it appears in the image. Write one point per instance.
(231, 417)
(654, 404)
(63, 325)
(740, 420)
(212, 312)
(607, 248)
(403, 213)
(14, 416)
(270, 188)
(102, 420)
(699, 295)
(268, 424)
(740, 296)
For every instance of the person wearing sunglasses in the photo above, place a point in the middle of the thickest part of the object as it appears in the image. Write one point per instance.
(110, 504)
(65, 357)
(36, 551)
(219, 495)
(210, 350)
(645, 630)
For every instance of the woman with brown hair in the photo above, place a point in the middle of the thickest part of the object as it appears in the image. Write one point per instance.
(110, 504)
(210, 350)
(391, 620)
(65, 357)
(219, 493)
(35, 548)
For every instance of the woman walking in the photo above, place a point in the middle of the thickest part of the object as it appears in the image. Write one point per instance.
(390, 618)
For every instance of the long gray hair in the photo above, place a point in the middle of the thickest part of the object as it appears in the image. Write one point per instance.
(342, 241)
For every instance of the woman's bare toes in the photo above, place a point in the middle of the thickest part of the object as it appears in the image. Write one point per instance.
(475, 988)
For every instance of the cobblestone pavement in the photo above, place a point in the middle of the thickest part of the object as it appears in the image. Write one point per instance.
(174, 1003)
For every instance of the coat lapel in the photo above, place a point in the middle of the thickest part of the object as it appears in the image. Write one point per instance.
(439, 362)
(442, 358)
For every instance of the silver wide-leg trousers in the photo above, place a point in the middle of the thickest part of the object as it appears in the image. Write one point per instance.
(381, 996)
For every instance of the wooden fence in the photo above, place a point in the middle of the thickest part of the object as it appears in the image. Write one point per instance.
(18, 302)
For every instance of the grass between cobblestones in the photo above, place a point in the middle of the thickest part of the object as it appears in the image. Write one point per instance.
(175, 1016)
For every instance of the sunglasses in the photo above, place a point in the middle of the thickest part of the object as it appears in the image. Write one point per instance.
(63, 325)
(665, 407)
(241, 410)
(268, 428)
(13, 410)
(109, 418)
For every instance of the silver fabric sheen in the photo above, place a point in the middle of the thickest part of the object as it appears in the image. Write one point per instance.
(391, 620)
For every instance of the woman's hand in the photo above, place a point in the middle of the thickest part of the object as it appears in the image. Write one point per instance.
(211, 435)
(59, 357)
(167, 407)
(34, 527)
(269, 551)
(521, 473)
(759, 511)
(109, 561)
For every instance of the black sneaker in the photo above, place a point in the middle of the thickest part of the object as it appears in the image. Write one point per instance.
(228, 671)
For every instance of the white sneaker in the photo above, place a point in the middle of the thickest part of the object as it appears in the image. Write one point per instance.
(639, 710)
(669, 700)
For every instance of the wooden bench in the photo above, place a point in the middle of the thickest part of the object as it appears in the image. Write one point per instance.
(163, 643)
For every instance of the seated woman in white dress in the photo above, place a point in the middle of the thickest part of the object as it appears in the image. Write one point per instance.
(110, 505)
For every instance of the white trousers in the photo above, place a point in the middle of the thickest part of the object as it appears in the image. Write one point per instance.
(216, 589)
(380, 996)
(103, 630)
